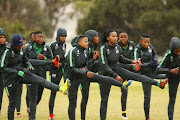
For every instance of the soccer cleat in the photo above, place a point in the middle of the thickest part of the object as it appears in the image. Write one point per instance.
(163, 83)
(51, 117)
(18, 115)
(136, 67)
(64, 88)
(127, 83)
(55, 61)
(124, 117)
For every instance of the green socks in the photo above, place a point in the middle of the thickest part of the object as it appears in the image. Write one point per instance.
(158, 84)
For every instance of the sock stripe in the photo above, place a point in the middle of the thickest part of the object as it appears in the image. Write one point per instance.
(123, 112)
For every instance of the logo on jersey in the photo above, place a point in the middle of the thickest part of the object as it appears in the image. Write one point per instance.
(171, 58)
(149, 49)
(30, 47)
(53, 75)
(45, 48)
(10, 85)
(85, 54)
(78, 53)
(56, 47)
(21, 53)
(13, 53)
(64, 48)
(117, 51)
(89, 50)
(108, 51)
(130, 48)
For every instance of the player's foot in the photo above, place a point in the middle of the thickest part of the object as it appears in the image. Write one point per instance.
(127, 83)
(64, 88)
(51, 117)
(124, 117)
(163, 83)
(18, 115)
(148, 119)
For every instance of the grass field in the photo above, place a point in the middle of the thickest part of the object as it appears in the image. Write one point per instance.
(158, 111)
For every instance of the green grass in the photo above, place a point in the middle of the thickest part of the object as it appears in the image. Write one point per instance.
(158, 111)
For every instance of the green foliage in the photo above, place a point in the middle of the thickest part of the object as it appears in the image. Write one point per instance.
(160, 19)
(23, 16)
(16, 27)
(83, 5)
(10, 28)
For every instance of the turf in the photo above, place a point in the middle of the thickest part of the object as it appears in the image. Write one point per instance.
(158, 111)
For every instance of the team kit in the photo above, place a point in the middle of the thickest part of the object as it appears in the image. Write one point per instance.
(109, 59)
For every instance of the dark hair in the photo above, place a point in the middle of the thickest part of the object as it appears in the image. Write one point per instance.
(81, 37)
(106, 34)
(123, 32)
(30, 35)
(144, 36)
(37, 32)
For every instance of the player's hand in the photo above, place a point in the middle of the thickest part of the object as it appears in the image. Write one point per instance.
(40, 56)
(174, 71)
(90, 74)
(95, 54)
(133, 62)
(83, 69)
(118, 78)
(138, 62)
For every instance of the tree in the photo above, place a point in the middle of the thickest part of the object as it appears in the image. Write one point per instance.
(159, 19)
(54, 9)
(26, 12)
(15, 27)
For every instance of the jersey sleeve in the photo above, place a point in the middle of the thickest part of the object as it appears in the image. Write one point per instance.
(162, 68)
(104, 62)
(5, 61)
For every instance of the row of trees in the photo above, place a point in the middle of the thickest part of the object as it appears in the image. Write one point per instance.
(157, 18)
(24, 16)
(160, 19)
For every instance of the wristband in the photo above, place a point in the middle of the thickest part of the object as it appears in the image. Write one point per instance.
(21, 73)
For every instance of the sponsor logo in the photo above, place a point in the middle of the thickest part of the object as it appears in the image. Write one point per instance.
(10, 85)
(53, 75)
(21, 53)
(117, 51)
(130, 48)
(108, 51)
